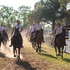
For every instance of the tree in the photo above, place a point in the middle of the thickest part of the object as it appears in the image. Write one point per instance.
(23, 11)
(6, 13)
(51, 11)
(64, 13)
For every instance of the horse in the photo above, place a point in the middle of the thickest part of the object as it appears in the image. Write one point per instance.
(39, 40)
(5, 37)
(16, 42)
(60, 43)
(1, 40)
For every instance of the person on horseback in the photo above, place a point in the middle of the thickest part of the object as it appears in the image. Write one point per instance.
(20, 30)
(37, 28)
(57, 31)
(32, 30)
(5, 28)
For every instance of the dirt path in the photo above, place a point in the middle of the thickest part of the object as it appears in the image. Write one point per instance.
(27, 62)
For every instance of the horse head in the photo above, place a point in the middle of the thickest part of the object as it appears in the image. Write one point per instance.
(16, 33)
(3, 32)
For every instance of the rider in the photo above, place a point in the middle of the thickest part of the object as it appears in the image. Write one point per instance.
(4, 28)
(32, 30)
(37, 28)
(58, 30)
(20, 30)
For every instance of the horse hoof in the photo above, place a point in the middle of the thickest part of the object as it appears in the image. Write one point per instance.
(58, 54)
(62, 56)
(14, 55)
(37, 50)
(18, 58)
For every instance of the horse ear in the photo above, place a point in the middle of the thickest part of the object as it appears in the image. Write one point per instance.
(18, 27)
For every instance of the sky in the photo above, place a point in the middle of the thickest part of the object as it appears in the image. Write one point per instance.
(16, 3)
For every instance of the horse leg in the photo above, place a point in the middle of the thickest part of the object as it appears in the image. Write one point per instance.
(59, 51)
(18, 53)
(40, 48)
(37, 47)
(0, 46)
(62, 52)
(56, 50)
(14, 49)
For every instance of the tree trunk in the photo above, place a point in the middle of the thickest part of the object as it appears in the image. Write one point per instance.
(53, 25)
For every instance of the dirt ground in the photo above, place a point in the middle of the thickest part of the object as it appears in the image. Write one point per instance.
(27, 62)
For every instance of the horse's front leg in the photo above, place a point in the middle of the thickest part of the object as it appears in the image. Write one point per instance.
(0, 46)
(62, 52)
(56, 50)
(14, 49)
(59, 51)
(18, 53)
(37, 48)
(40, 48)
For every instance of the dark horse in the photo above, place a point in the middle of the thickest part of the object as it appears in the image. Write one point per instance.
(60, 42)
(38, 41)
(16, 42)
(5, 37)
(1, 40)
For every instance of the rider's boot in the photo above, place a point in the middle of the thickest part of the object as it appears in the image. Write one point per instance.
(22, 46)
(65, 42)
(43, 41)
(11, 44)
(30, 40)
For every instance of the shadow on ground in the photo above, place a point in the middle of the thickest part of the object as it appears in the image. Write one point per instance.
(44, 51)
(66, 59)
(25, 64)
(2, 55)
(49, 55)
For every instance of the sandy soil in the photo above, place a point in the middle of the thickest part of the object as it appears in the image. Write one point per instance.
(27, 62)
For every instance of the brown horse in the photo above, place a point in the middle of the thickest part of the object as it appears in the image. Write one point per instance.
(39, 40)
(60, 42)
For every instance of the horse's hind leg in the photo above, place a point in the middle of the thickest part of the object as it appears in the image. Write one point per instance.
(56, 50)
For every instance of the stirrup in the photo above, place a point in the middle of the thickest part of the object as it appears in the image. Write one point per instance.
(65, 44)
(10, 45)
(43, 41)
(22, 46)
